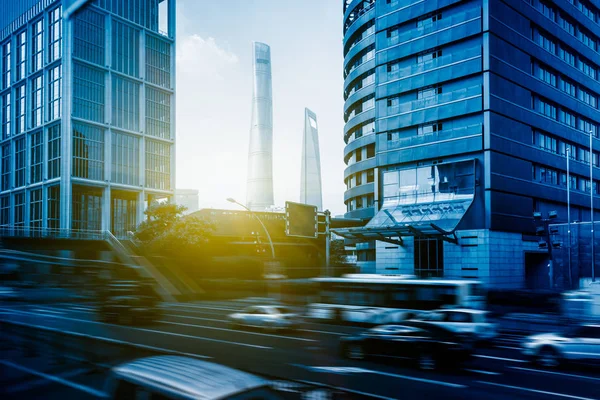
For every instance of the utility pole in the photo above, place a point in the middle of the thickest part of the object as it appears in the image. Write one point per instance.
(327, 242)
(544, 230)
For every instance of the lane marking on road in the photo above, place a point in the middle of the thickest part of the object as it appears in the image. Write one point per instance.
(47, 310)
(508, 347)
(42, 381)
(238, 331)
(226, 321)
(557, 373)
(318, 384)
(200, 307)
(77, 386)
(536, 391)
(354, 370)
(154, 331)
(479, 371)
(500, 358)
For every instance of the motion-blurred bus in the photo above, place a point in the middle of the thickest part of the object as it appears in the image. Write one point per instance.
(380, 299)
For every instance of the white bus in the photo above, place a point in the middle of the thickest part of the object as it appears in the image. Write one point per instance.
(380, 299)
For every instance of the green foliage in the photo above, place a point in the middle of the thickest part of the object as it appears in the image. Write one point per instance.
(337, 253)
(167, 231)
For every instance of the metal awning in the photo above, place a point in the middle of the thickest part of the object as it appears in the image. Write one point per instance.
(397, 219)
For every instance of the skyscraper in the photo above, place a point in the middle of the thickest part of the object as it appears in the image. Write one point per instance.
(260, 154)
(310, 181)
(458, 116)
(87, 95)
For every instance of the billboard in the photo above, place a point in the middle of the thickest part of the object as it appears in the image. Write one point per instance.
(301, 220)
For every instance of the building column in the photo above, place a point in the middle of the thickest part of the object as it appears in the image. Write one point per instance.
(65, 134)
(106, 214)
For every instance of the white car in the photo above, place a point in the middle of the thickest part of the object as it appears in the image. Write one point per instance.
(266, 317)
(463, 320)
(575, 344)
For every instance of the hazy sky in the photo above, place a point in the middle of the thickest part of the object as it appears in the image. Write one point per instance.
(214, 93)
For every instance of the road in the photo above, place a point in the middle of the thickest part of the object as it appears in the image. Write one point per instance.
(201, 330)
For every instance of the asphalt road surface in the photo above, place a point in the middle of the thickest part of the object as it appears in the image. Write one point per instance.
(78, 367)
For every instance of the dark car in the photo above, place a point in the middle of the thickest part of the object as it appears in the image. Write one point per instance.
(128, 303)
(431, 346)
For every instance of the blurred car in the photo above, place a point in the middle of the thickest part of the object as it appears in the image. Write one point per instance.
(431, 346)
(8, 293)
(463, 320)
(182, 378)
(574, 344)
(265, 317)
(128, 303)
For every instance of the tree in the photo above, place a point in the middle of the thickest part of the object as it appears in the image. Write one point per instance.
(337, 253)
(166, 231)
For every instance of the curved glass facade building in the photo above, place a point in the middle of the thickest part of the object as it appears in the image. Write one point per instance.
(260, 154)
(459, 118)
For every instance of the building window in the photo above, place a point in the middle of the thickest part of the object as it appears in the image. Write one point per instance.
(566, 24)
(358, 154)
(546, 9)
(54, 152)
(6, 167)
(544, 73)
(359, 179)
(6, 125)
(54, 34)
(429, 128)
(567, 87)
(19, 209)
(371, 150)
(88, 152)
(54, 92)
(37, 45)
(544, 107)
(125, 158)
(429, 20)
(35, 209)
(126, 104)
(393, 67)
(87, 208)
(428, 56)
(393, 101)
(123, 213)
(588, 97)
(20, 162)
(545, 142)
(54, 207)
(587, 39)
(158, 165)
(567, 118)
(158, 113)
(567, 55)
(587, 68)
(429, 92)
(544, 40)
(158, 61)
(6, 65)
(125, 49)
(20, 109)
(37, 100)
(393, 136)
(21, 68)
(89, 36)
(37, 157)
(88, 93)
(359, 203)
(428, 260)
(5, 210)
(370, 176)
(587, 126)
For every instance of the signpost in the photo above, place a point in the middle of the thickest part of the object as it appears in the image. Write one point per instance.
(301, 220)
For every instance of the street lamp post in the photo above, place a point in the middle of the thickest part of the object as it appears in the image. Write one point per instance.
(592, 202)
(259, 221)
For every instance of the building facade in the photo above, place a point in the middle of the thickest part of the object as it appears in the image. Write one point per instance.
(310, 175)
(87, 100)
(188, 198)
(259, 189)
(506, 85)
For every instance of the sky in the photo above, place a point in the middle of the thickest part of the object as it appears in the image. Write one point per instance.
(214, 94)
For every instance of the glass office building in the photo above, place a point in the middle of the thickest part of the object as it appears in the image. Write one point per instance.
(87, 112)
(512, 87)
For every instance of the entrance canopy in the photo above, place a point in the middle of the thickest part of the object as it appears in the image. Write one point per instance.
(425, 202)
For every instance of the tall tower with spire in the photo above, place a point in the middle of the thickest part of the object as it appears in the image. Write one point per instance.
(259, 195)
(310, 181)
